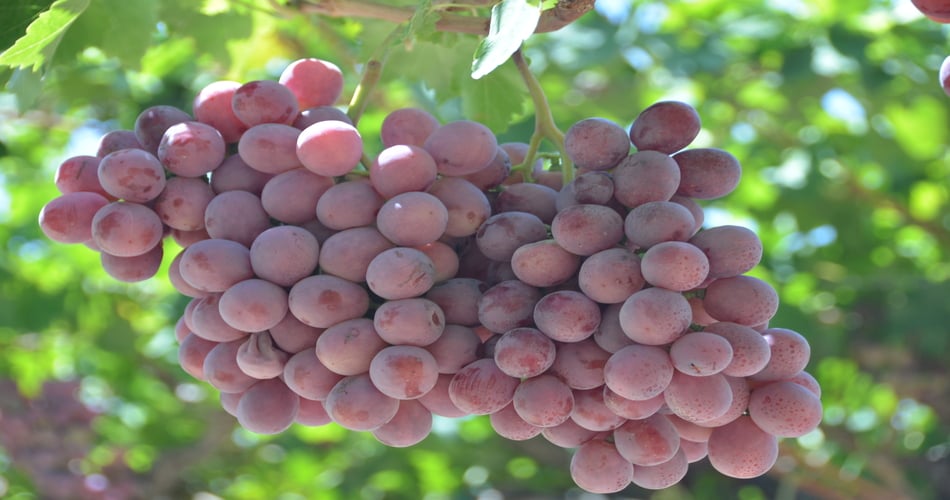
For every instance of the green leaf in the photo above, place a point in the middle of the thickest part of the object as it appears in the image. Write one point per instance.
(422, 23)
(512, 22)
(119, 28)
(497, 100)
(17, 16)
(43, 35)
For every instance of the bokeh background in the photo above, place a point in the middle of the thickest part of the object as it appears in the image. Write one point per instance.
(834, 109)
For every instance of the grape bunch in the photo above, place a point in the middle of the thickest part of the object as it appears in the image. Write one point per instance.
(436, 279)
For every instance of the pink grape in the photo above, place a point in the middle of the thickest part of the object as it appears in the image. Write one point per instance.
(501, 234)
(308, 377)
(152, 122)
(324, 300)
(404, 371)
(234, 174)
(292, 336)
(349, 204)
(596, 144)
(458, 298)
(206, 321)
(400, 273)
(178, 282)
(115, 140)
(646, 176)
(270, 148)
(693, 451)
(657, 221)
(611, 276)
(580, 364)
(214, 265)
(674, 265)
(292, 196)
(182, 204)
(630, 408)
(567, 316)
(701, 353)
(493, 174)
(689, 430)
(750, 349)
(595, 188)
(665, 126)
(466, 205)
(212, 105)
(237, 216)
(312, 413)
(348, 347)
(597, 467)
(438, 401)
(314, 82)
(480, 388)
(456, 347)
(543, 401)
(590, 412)
(524, 352)
(356, 404)
(785, 409)
(742, 299)
(264, 101)
(348, 253)
(508, 424)
(707, 173)
(192, 351)
(133, 269)
(698, 398)
(568, 434)
(413, 321)
(411, 425)
(268, 407)
(413, 218)
(609, 335)
(650, 441)
(461, 147)
(253, 305)
(402, 168)
(506, 305)
(544, 263)
(260, 358)
(807, 381)
(664, 475)
(638, 372)
(222, 371)
(191, 149)
(68, 218)
(330, 148)
(533, 198)
(655, 316)
(284, 255)
(126, 229)
(408, 126)
(732, 250)
(742, 450)
(79, 173)
(587, 229)
(740, 403)
(132, 175)
(309, 116)
(444, 259)
(789, 354)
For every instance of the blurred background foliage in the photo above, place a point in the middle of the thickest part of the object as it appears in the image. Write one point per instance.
(833, 107)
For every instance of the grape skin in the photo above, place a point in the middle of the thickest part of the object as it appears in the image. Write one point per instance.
(508, 424)
(412, 219)
(785, 409)
(402, 168)
(314, 82)
(751, 351)
(356, 404)
(133, 269)
(68, 218)
(741, 449)
(596, 144)
(270, 148)
(236, 215)
(674, 265)
(638, 372)
(324, 300)
(580, 364)
(611, 276)
(731, 250)
(535, 199)
(292, 197)
(458, 298)
(182, 204)
(543, 401)
(152, 122)
(348, 204)
(192, 351)
(308, 377)
(566, 316)
(115, 140)
(259, 358)
(456, 347)
(411, 425)
(501, 234)
(444, 260)
(609, 335)
(348, 347)
(746, 300)
(480, 388)
(400, 273)
(79, 173)
(461, 147)
(264, 101)
(740, 403)
(697, 399)
(213, 265)
(222, 371)
(700, 354)
(568, 434)
(330, 148)
(597, 467)
(657, 221)
(408, 126)
(206, 321)
(645, 176)
(587, 229)
(132, 175)
(234, 174)
(632, 409)
(268, 407)
(124, 229)
(590, 412)
(506, 305)
(253, 305)
(191, 149)
(655, 316)
(438, 401)
(348, 253)
(284, 255)
(524, 352)
(664, 475)
(466, 205)
(544, 263)
(212, 106)
(650, 441)
(412, 321)
(665, 126)
(404, 371)
(789, 354)
(707, 173)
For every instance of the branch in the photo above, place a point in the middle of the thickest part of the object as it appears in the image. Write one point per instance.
(564, 13)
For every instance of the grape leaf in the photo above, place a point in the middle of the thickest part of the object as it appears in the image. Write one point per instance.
(512, 22)
(43, 35)
(497, 100)
(17, 16)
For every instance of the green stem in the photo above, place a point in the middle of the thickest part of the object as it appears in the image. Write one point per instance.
(544, 125)
(371, 75)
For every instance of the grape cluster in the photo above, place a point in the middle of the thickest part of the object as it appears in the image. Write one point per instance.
(437, 280)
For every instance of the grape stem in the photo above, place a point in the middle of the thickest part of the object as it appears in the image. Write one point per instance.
(372, 72)
(544, 125)
(563, 13)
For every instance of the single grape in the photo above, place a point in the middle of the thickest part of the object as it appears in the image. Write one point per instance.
(330, 148)
(135, 268)
(80, 173)
(501, 234)
(222, 371)
(698, 398)
(656, 222)
(234, 174)
(646, 176)
(597, 467)
(609, 335)
(543, 401)
(264, 101)
(132, 175)
(356, 404)
(785, 409)
(314, 82)
(309, 116)
(480, 388)
(207, 323)
(750, 349)
(580, 364)
(789, 354)
(212, 105)
(493, 174)
(444, 259)
(324, 300)
(236, 215)
(400, 273)
(413, 218)
(404, 371)
(270, 148)
(124, 229)
(533, 198)
(650, 441)
(707, 173)
(312, 413)
(694, 451)
(152, 122)
(630, 408)
(458, 298)
(568, 434)
(689, 430)
(284, 255)
(268, 407)
(935, 10)
(655, 316)
(461, 147)
(596, 144)
(213, 265)
(567, 316)
(253, 305)
(348, 253)
(944, 74)
(665, 126)
(508, 424)
(183, 202)
(402, 168)
(191, 149)
(115, 140)
(746, 300)
(292, 196)
(590, 412)
(664, 475)
(610, 276)
(438, 401)
(407, 126)
(701, 353)
(260, 358)
(506, 305)
(348, 347)
(587, 229)
(456, 347)
(588, 188)
(731, 250)
(192, 351)
(742, 450)
(411, 424)
(466, 205)
(544, 263)
(292, 336)
(68, 218)
(524, 352)
(413, 321)
(308, 377)
(638, 372)
(674, 265)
